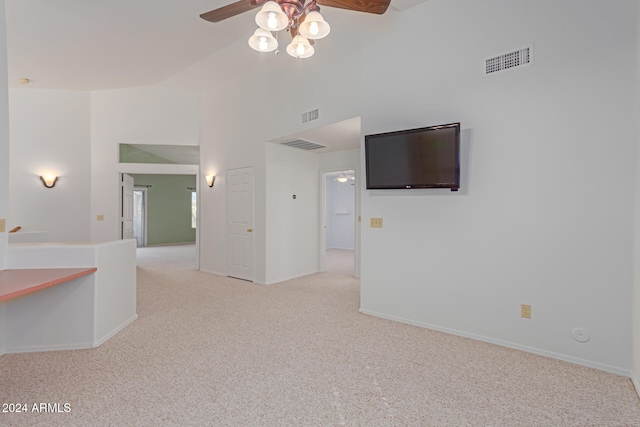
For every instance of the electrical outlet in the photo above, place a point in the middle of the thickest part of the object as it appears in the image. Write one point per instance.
(3, 225)
(525, 311)
(100, 218)
(376, 223)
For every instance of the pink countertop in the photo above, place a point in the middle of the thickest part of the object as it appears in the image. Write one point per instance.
(16, 283)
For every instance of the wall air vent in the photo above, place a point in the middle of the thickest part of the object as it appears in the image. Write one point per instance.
(303, 144)
(310, 115)
(509, 60)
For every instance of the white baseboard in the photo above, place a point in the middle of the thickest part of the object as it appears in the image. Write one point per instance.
(104, 339)
(216, 273)
(636, 383)
(575, 360)
(284, 279)
(39, 348)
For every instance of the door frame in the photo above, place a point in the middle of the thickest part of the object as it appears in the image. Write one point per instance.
(168, 169)
(126, 204)
(252, 226)
(322, 223)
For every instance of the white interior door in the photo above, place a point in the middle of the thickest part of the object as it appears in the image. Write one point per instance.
(240, 241)
(126, 206)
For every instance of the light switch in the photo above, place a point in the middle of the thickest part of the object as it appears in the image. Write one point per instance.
(376, 223)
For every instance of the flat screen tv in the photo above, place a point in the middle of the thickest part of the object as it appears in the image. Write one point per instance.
(416, 158)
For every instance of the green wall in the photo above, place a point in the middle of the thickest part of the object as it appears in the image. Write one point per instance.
(168, 208)
(129, 154)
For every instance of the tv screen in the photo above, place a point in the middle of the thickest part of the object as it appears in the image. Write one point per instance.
(417, 158)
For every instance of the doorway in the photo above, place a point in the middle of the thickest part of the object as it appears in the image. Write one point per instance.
(339, 212)
(168, 172)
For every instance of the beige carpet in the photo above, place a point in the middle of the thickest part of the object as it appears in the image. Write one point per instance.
(340, 260)
(213, 351)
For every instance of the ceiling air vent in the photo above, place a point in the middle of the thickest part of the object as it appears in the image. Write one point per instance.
(310, 115)
(508, 61)
(303, 144)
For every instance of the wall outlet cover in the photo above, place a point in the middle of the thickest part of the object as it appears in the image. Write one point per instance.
(3, 225)
(376, 222)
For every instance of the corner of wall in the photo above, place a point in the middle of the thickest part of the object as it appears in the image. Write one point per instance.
(636, 383)
(4, 159)
(2, 330)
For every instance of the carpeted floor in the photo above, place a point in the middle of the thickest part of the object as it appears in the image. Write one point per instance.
(214, 351)
(340, 260)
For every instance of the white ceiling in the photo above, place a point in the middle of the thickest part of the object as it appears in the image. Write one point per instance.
(109, 44)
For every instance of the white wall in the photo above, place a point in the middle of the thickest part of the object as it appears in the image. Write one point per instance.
(546, 217)
(636, 235)
(292, 223)
(50, 133)
(149, 115)
(4, 159)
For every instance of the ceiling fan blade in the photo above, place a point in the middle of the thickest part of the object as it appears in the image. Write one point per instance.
(230, 10)
(374, 6)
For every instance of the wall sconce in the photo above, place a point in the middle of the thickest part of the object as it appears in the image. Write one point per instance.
(49, 181)
(210, 180)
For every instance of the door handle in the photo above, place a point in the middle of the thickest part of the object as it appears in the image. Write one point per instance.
(249, 230)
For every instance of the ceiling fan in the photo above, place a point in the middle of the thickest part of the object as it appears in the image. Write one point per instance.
(301, 18)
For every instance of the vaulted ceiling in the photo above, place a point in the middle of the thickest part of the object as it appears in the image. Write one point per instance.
(107, 44)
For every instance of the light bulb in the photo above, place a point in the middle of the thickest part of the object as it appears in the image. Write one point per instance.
(272, 22)
(271, 17)
(263, 41)
(300, 47)
(313, 28)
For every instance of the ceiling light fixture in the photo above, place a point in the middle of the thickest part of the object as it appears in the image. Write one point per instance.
(345, 176)
(303, 21)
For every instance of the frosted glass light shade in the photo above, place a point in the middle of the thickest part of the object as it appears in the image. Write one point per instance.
(49, 181)
(300, 47)
(314, 26)
(271, 17)
(263, 41)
